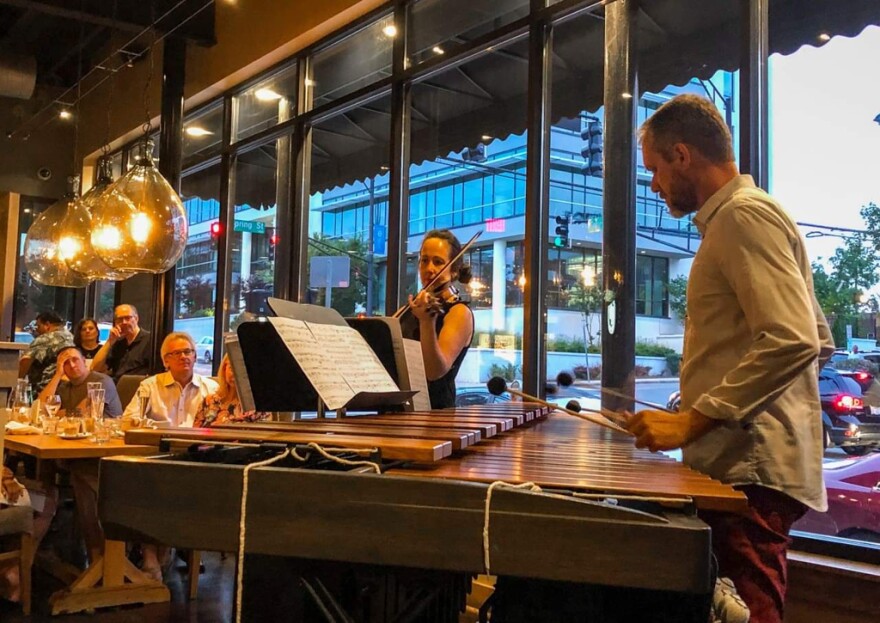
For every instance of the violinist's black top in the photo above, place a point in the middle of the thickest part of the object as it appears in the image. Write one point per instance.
(442, 390)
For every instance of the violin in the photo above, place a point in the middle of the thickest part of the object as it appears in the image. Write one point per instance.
(440, 294)
(432, 286)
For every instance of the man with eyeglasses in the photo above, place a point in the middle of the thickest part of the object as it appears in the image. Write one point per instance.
(174, 395)
(127, 349)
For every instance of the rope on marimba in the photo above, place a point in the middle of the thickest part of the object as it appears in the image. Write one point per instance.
(338, 459)
(499, 484)
(241, 528)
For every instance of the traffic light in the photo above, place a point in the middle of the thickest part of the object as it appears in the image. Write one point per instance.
(561, 239)
(592, 149)
(216, 230)
(273, 242)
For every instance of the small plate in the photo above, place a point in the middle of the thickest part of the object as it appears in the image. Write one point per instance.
(77, 436)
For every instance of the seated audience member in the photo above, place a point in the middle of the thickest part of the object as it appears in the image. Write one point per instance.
(74, 391)
(83, 472)
(127, 349)
(174, 397)
(38, 362)
(224, 406)
(87, 338)
(176, 394)
(11, 492)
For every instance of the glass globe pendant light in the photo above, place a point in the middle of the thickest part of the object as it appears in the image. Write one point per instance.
(44, 251)
(77, 229)
(140, 223)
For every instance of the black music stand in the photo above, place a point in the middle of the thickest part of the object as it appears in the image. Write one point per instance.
(278, 382)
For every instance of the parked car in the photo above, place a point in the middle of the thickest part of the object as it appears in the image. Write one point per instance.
(477, 395)
(205, 349)
(853, 486)
(846, 420)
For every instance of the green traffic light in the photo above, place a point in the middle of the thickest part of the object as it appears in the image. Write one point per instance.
(559, 241)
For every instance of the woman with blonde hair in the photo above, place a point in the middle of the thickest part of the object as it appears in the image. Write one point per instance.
(224, 406)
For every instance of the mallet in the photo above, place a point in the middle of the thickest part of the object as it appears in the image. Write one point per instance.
(565, 379)
(498, 386)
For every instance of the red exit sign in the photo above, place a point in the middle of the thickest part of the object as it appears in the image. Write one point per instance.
(495, 225)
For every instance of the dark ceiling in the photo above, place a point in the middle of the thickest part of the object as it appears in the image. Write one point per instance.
(62, 33)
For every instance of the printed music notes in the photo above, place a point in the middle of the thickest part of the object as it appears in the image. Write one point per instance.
(335, 359)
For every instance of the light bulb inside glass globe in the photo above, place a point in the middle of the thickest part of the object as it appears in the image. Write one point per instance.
(88, 261)
(141, 222)
(43, 248)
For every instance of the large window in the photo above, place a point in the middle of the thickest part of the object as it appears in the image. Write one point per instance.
(348, 210)
(196, 272)
(259, 182)
(352, 63)
(820, 104)
(267, 103)
(32, 297)
(467, 173)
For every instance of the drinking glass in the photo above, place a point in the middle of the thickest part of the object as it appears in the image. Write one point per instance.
(96, 397)
(53, 404)
(21, 403)
(102, 431)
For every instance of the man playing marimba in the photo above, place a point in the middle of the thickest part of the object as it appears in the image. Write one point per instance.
(750, 413)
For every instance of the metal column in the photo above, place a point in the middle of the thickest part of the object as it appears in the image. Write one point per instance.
(619, 201)
(534, 359)
(753, 108)
(170, 160)
(398, 192)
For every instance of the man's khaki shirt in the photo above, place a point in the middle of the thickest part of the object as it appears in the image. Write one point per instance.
(753, 338)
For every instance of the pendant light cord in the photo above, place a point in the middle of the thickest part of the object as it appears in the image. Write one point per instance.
(105, 148)
(148, 121)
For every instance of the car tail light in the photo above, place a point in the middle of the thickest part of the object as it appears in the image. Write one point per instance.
(845, 402)
(863, 376)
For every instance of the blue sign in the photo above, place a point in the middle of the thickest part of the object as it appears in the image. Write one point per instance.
(380, 237)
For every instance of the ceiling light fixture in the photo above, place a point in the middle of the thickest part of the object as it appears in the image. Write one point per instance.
(196, 131)
(140, 224)
(44, 249)
(824, 37)
(438, 50)
(65, 114)
(266, 95)
(389, 30)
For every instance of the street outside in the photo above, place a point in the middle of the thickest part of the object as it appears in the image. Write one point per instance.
(656, 391)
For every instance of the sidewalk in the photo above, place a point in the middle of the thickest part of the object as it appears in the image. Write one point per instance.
(653, 379)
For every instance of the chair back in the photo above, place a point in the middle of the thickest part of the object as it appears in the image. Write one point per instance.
(127, 387)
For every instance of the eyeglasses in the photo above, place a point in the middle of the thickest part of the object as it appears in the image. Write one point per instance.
(183, 352)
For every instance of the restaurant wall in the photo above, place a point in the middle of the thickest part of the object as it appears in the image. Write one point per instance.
(49, 148)
(251, 37)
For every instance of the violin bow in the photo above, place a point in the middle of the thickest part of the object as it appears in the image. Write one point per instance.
(437, 277)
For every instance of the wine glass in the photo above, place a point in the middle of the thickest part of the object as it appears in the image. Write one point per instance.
(53, 404)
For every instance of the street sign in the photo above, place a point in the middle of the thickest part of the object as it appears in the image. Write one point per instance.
(251, 227)
(332, 271)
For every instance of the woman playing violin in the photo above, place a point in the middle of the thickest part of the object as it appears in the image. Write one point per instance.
(442, 323)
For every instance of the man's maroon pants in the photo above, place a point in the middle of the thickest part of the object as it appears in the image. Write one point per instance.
(751, 549)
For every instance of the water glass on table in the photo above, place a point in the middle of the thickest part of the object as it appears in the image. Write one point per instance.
(103, 431)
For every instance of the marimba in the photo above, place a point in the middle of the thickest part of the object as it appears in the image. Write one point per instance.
(613, 532)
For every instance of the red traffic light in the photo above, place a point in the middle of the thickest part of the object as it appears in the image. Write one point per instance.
(216, 229)
(273, 239)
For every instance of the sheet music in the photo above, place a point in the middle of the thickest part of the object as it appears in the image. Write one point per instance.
(415, 371)
(363, 370)
(336, 360)
(242, 382)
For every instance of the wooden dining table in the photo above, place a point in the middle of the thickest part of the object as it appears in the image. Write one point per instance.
(110, 579)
